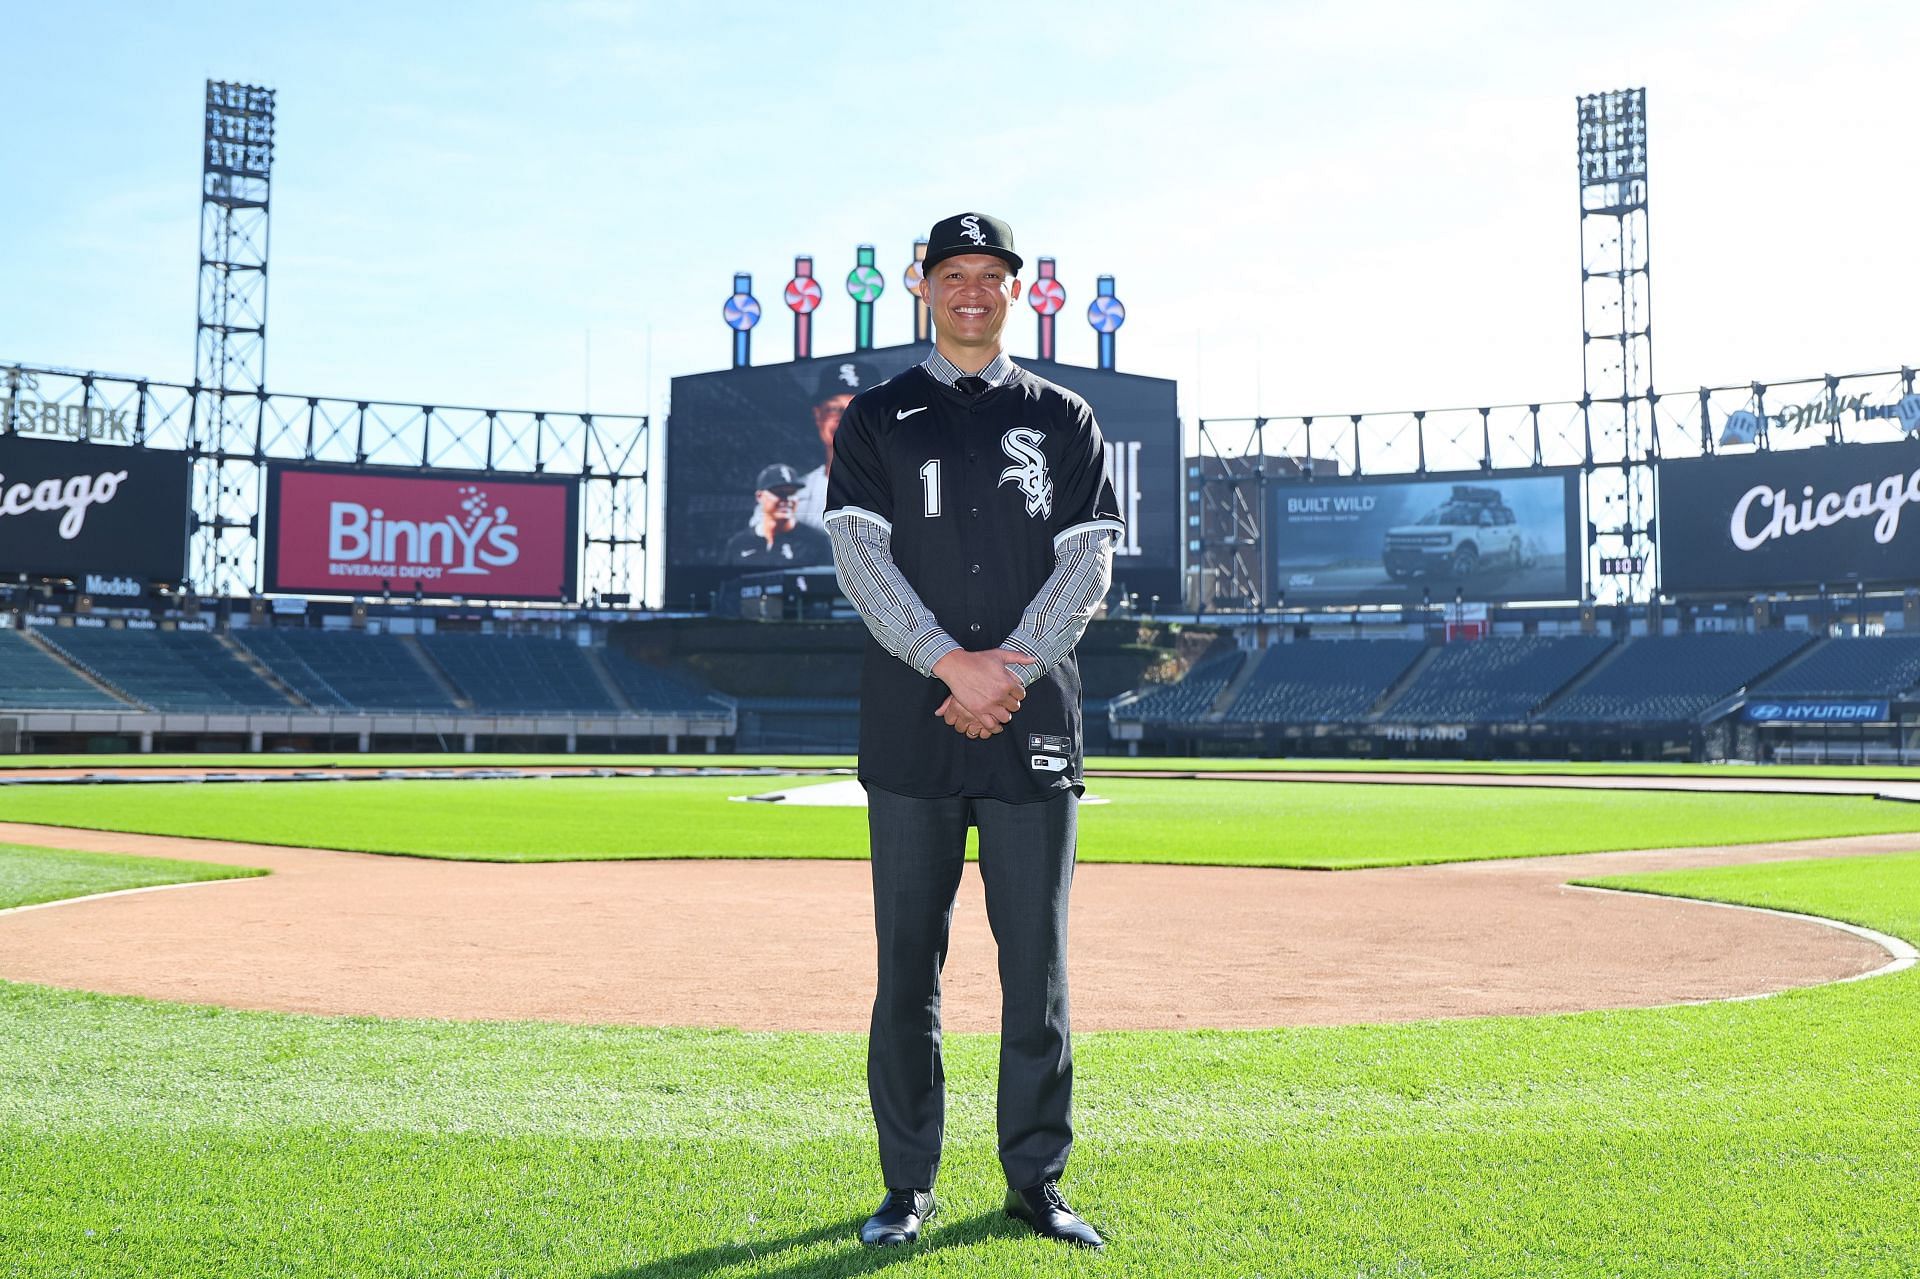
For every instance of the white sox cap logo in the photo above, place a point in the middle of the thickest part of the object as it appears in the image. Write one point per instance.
(849, 375)
(970, 227)
(1022, 444)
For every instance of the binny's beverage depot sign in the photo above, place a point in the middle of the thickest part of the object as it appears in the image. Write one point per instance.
(80, 510)
(359, 531)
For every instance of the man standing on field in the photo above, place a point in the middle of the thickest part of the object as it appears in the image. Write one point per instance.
(973, 527)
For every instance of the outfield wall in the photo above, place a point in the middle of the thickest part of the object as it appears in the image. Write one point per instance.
(146, 731)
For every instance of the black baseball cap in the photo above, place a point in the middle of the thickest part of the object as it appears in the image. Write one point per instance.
(776, 477)
(971, 233)
(844, 377)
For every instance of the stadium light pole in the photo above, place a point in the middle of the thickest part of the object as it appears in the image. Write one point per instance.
(230, 336)
(1616, 331)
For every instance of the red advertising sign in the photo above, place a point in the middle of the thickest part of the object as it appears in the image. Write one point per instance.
(356, 532)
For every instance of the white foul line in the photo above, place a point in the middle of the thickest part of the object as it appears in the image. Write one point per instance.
(125, 892)
(1902, 954)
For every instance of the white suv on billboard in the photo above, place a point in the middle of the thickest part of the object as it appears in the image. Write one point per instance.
(1472, 530)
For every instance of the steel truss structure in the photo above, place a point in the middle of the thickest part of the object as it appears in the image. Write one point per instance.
(231, 436)
(1241, 456)
(230, 338)
(1616, 327)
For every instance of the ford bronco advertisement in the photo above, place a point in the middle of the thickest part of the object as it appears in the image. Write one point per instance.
(1481, 537)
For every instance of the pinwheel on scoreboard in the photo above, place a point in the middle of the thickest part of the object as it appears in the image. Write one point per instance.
(742, 312)
(1105, 315)
(1047, 297)
(917, 271)
(803, 298)
(864, 284)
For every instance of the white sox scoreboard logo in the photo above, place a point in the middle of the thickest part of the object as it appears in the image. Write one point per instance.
(1022, 444)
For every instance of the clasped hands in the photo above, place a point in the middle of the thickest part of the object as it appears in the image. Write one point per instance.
(982, 694)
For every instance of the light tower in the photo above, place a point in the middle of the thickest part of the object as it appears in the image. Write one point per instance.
(1616, 306)
(230, 340)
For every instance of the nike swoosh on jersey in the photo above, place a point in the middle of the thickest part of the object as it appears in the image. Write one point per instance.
(902, 415)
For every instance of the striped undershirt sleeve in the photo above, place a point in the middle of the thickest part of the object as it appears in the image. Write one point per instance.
(873, 583)
(1057, 617)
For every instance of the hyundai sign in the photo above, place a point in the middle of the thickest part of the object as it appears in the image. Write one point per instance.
(1791, 518)
(341, 531)
(70, 509)
(1817, 711)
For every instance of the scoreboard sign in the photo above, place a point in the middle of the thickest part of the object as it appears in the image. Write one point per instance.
(1787, 518)
(344, 531)
(73, 509)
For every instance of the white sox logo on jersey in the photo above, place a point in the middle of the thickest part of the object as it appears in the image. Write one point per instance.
(1022, 444)
(970, 227)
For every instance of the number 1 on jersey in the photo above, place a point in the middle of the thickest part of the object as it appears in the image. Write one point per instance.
(930, 488)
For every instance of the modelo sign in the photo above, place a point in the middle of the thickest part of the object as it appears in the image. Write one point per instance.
(1791, 518)
(70, 509)
(342, 531)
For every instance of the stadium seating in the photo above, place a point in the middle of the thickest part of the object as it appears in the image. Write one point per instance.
(520, 675)
(31, 680)
(1190, 698)
(1496, 680)
(344, 671)
(1673, 678)
(168, 670)
(1322, 681)
(648, 688)
(1881, 666)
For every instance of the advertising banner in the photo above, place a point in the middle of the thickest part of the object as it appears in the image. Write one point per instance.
(1488, 537)
(1807, 710)
(119, 515)
(1785, 519)
(752, 445)
(344, 531)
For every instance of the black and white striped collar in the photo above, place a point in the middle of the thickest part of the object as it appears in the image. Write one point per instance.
(999, 371)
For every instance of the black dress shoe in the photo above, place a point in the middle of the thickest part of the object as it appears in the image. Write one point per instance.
(899, 1218)
(1045, 1209)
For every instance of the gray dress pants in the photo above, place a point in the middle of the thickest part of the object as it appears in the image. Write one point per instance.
(1026, 864)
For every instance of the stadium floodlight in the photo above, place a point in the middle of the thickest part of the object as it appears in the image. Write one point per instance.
(1613, 136)
(1616, 305)
(239, 136)
(230, 338)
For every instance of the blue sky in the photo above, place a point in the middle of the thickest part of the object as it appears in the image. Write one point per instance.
(1309, 208)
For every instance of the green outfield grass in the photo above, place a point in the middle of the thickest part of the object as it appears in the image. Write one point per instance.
(1110, 763)
(29, 876)
(1774, 1138)
(1311, 824)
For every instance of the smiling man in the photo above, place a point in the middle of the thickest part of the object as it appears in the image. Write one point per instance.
(973, 527)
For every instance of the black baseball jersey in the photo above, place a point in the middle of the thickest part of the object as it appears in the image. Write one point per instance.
(802, 546)
(977, 491)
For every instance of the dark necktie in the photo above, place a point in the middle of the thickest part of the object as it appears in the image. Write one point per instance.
(971, 385)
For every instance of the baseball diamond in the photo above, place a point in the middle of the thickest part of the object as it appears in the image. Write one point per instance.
(1358, 780)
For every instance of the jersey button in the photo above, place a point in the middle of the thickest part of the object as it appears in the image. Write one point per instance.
(975, 512)
(973, 457)
(973, 568)
(975, 628)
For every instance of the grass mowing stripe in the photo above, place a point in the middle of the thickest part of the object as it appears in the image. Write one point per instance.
(1772, 1138)
(1307, 824)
